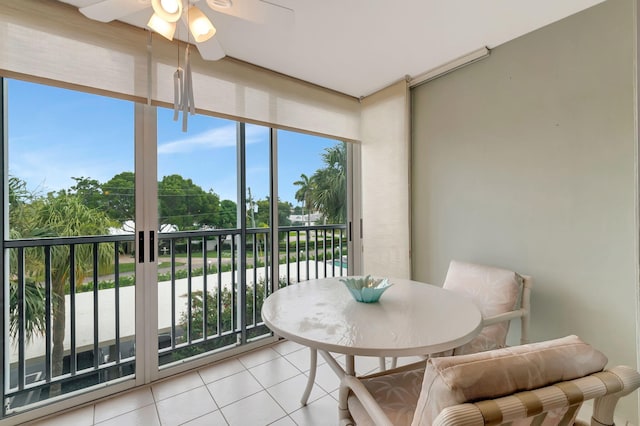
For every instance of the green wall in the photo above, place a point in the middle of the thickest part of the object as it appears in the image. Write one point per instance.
(526, 160)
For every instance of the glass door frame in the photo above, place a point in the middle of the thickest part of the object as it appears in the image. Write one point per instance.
(147, 364)
(146, 252)
(146, 190)
(65, 402)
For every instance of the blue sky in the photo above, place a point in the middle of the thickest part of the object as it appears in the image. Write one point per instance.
(56, 134)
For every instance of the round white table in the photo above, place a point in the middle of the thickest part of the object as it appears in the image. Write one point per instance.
(411, 318)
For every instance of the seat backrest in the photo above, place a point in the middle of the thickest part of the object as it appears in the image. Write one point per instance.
(556, 404)
(454, 380)
(497, 292)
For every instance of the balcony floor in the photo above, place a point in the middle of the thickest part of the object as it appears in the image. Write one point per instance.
(262, 387)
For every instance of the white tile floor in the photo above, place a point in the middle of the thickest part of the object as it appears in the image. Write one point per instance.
(262, 387)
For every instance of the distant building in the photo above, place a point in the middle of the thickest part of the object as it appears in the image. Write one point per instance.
(129, 227)
(297, 219)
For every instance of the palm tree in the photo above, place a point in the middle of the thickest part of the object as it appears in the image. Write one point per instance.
(22, 226)
(33, 296)
(305, 194)
(65, 215)
(330, 184)
(34, 309)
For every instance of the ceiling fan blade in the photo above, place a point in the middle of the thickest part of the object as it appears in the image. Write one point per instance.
(109, 10)
(274, 12)
(211, 50)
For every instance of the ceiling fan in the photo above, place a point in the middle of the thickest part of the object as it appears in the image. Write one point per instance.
(164, 16)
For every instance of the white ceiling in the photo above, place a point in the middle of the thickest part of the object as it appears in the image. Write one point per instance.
(360, 46)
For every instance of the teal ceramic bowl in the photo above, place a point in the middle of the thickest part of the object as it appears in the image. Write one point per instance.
(366, 289)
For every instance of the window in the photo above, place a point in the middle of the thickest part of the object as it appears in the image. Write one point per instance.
(72, 270)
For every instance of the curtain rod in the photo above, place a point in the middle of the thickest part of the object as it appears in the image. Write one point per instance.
(458, 63)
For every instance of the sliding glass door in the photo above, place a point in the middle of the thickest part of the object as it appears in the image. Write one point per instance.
(69, 271)
(213, 246)
(134, 250)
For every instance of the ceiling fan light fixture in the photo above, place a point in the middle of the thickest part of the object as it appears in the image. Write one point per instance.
(162, 27)
(169, 10)
(201, 27)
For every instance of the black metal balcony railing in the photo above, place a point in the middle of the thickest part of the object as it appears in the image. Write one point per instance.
(202, 305)
(34, 372)
(200, 329)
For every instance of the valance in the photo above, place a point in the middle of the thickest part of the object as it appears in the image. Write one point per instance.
(53, 42)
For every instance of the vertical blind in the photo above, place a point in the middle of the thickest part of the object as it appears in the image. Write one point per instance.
(55, 42)
(385, 149)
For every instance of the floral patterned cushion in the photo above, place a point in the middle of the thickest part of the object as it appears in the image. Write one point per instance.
(396, 393)
(494, 290)
(454, 380)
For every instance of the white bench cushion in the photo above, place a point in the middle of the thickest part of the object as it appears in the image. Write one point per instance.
(454, 380)
(494, 290)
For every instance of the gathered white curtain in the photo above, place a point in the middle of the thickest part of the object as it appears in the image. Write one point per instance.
(55, 43)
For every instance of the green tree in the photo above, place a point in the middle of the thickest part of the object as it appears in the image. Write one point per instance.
(262, 215)
(66, 215)
(20, 199)
(34, 309)
(89, 191)
(22, 225)
(305, 194)
(227, 215)
(185, 204)
(18, 192)
(262, 219)
(199, 316)
(330, 184)
(284, 211)
(119, 197)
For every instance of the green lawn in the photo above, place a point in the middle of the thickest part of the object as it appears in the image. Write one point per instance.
(131, 267)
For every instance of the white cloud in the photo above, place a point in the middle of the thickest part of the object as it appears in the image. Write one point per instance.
(220, 137)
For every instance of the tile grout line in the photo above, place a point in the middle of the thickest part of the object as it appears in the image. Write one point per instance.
(155, 405)
(264, 388)
(214, 401)
(125, 412)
